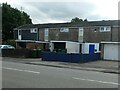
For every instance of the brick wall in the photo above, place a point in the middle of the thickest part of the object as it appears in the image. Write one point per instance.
(91, 34)
(41, 34)
(115, 34)
(32, 45)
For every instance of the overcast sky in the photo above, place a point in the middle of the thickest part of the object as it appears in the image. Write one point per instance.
(57, 11)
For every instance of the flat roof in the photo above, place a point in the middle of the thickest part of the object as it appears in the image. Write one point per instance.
(31, 41)
(69, 24)
(62, 41)
(110, 42)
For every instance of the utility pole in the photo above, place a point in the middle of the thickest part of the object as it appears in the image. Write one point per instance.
(21, 8)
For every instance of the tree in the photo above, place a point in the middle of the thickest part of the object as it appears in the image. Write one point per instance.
(12, 18)
(85, 20)
(77, 20)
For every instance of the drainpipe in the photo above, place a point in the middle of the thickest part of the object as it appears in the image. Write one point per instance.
(111, 35)
(37, 34)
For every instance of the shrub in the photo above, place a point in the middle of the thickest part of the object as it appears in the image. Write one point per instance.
(10, 42)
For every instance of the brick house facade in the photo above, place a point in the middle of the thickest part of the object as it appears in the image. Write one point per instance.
(91, 32)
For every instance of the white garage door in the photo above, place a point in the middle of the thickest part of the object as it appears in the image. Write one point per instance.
(111, 51)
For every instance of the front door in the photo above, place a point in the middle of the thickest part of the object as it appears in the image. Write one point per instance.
(91, 48)
(19, 34)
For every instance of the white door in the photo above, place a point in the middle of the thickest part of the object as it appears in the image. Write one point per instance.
(19, 34)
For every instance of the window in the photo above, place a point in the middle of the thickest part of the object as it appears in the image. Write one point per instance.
(5, 47)
(34, 30)
(19, 32)
(64, 29)
(105, 28)
(95, 30)
(46, 34)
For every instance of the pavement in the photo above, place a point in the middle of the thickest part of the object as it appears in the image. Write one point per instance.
(106, 66)
(100, 65)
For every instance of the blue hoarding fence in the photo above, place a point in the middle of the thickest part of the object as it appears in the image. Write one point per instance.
(65, 57)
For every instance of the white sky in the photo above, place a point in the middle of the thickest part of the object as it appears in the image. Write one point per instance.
(55, 11)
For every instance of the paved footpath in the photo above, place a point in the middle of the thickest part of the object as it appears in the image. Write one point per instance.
(100, 65)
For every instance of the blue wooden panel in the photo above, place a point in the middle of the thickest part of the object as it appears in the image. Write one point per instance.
(91, 57)
(47, 56)
(63, 57)
(75, 58)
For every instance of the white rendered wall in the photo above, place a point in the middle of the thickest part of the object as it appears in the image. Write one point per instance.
(72, 47)
(85, 47)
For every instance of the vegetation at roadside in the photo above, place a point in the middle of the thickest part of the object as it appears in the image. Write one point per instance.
(10, 42)
(12, 18)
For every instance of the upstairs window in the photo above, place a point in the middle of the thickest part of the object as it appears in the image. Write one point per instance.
(64, 29)
(34, 30)
(105, 28)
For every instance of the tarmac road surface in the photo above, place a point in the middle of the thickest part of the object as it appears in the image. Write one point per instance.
(19, 75)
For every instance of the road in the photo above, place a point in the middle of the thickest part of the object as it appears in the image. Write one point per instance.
(19, 75)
